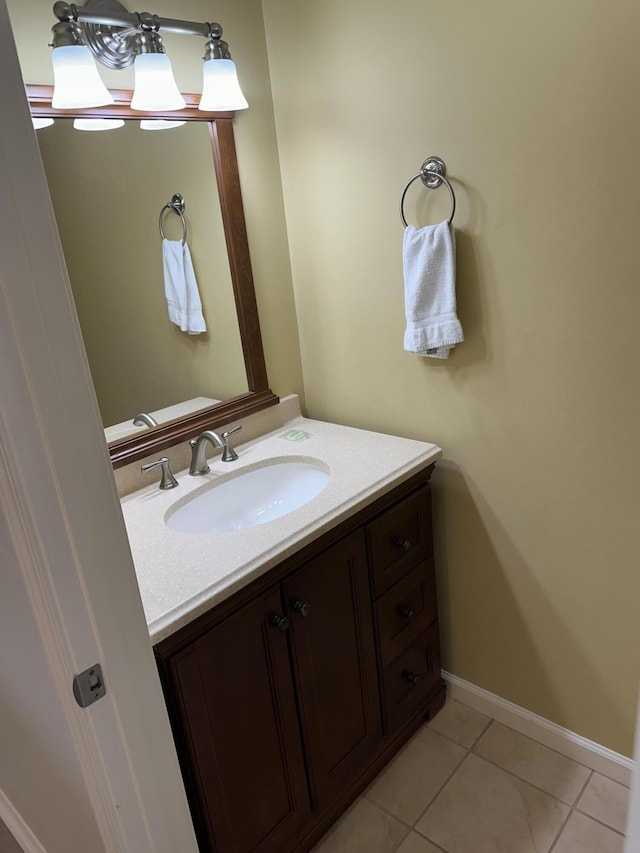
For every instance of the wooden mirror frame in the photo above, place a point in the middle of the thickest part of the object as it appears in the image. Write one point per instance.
(259, 395)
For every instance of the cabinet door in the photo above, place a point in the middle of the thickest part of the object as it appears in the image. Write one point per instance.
(234, 694)
(334, 665)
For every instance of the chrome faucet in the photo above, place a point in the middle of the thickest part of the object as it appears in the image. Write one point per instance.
(199, 446)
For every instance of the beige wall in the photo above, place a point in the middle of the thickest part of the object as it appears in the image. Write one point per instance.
(255, 141)
(534, 108)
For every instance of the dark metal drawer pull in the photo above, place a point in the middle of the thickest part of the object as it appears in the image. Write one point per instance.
(407, 612)
(411, 677)
(405, 544)
(302, 608)
(281, 623)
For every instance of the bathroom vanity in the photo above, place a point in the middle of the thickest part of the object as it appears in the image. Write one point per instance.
(296, 656)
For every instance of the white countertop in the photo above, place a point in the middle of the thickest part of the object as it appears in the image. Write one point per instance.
(182, 575)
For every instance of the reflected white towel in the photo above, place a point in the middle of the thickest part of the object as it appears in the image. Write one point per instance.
(181, 287)
(429, 262)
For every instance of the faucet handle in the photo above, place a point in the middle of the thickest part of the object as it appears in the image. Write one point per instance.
(168, 481)
(229, 454)
(231, 431)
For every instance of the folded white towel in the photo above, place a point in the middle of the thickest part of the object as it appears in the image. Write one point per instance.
(429, 261)
(181, 287)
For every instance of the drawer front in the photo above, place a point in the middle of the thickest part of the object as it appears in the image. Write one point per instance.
(409, 680)
(405, 611)
(400, 538)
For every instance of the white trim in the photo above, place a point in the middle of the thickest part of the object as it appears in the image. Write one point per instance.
(574, 746)
(70, 557)
(14, 822)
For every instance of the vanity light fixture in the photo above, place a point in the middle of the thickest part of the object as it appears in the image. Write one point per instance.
(220, 86)
(104, 29)
(39, 123)
(155, 89)
(76, 82)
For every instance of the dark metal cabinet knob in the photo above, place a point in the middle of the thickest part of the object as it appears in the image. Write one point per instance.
(302, 608)
(411, 677)
(405, 544)
(407, 612)
(281, 623)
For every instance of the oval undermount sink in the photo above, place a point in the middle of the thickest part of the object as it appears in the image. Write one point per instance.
(249, 498)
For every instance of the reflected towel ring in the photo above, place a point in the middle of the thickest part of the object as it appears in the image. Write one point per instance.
(432, 175)
(177, 205)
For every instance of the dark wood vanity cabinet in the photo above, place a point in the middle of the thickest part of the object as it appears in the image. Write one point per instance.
(288, 698)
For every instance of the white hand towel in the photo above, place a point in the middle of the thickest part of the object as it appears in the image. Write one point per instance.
(181, 287)
(429, 262)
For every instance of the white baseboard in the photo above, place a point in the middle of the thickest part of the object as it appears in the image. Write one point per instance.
(574, 746)
(12, 819)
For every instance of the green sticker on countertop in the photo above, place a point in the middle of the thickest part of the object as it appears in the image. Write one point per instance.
(296, 435)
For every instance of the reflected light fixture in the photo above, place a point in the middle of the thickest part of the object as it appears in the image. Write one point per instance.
(159, 124)
(94, 124)
(39, 123)
(104, 29)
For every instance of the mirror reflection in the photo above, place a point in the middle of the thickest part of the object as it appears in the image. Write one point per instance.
(108, 190)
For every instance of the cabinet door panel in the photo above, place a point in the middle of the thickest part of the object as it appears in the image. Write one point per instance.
(240, 728)
(334, 665)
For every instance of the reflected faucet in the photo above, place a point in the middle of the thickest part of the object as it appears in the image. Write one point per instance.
(143, 419)
(199, 446)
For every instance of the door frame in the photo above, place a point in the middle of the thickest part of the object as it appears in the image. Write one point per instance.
(60, 504)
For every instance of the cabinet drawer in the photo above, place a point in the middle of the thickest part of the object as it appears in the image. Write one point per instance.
(409, 680)
(399, 538)
(405, 611)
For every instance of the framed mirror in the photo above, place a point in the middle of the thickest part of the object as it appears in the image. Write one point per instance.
(140, 361)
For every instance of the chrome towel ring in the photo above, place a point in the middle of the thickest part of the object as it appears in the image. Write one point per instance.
(432, 174)
(177, 205)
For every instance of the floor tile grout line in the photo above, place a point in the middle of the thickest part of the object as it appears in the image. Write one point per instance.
(457, 742)
(439, 791)
(557, 751)
(492, 720)
(527, 782)
(600, 821)
(403, 822)
(482, 734)
(571, 811)
(583, 789)
(430, 840)
(544, 746)
(468, 751)
(560, 831)
(386, 811)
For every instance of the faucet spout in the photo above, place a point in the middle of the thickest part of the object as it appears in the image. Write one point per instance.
(198, 451)
(143, 419)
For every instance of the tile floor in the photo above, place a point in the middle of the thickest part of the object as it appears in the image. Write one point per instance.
(467, 784)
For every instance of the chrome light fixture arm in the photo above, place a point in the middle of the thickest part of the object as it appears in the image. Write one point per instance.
(112, 33)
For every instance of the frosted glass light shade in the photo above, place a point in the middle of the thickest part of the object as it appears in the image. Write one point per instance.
(39, 123)
(97, 123)
(76, 80)
(155, 89)
(159, 124)
(220, 88)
